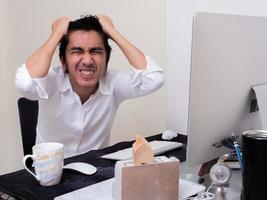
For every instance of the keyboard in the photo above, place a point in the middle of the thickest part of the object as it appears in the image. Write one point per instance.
(158, 147)
(4, 196)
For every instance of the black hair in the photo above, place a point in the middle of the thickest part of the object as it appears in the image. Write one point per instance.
(86, 23)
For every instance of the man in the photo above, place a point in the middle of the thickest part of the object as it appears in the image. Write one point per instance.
(78, 100)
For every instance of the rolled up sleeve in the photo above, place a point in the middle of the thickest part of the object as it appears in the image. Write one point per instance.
(139, 82)
(34, 88)
(153, 72)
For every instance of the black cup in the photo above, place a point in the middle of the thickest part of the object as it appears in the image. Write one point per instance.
(254, 174)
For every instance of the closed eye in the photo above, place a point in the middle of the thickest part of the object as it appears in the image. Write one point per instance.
(92, 51)
(77, 50)
(97, 50)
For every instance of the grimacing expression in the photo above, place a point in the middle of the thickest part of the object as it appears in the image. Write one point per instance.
(85, 59)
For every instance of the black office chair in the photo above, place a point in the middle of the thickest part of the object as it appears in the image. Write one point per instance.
(28, 115)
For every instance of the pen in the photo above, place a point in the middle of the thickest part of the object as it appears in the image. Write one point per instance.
(237, 150)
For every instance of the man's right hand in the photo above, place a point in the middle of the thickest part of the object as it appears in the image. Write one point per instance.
(39, 62)
(60, 26)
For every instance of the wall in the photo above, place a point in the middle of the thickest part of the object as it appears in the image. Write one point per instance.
(4, 142)
(179, 33)
(27, 25)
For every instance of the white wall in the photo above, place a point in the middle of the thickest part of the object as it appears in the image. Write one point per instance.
(179, 34)
(27, 25)
(3, 89)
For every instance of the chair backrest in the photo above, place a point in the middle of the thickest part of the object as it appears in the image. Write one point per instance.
(28, 115)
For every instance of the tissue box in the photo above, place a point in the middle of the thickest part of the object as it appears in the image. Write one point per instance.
(159, 180)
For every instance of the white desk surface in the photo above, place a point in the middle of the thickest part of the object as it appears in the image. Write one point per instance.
(103, 190)
(234, 191)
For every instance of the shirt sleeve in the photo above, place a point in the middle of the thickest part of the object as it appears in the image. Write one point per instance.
(137, 83)
(35, 88)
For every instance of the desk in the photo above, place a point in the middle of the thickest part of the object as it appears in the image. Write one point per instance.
(22, 185)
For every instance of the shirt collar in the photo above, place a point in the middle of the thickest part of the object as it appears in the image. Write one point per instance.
(65, 85)
(103, 88)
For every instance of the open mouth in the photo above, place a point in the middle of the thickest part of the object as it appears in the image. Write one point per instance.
(87, 73)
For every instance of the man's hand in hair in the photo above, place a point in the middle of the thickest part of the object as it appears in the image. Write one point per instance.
(60, 26)
(106, 24)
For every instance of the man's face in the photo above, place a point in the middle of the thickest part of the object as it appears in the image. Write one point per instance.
(85, 60)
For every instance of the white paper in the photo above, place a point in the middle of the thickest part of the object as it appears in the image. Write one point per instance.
(98, 191)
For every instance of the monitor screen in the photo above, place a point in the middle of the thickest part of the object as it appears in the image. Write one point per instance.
(229, 56)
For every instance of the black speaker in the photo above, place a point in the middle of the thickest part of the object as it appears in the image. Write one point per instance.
(254, 174)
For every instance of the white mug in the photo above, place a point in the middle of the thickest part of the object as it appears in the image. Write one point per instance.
(48, 163)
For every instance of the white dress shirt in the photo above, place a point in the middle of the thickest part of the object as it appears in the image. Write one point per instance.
(83, 127)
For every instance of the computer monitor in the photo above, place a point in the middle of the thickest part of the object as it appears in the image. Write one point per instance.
(229, 55)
